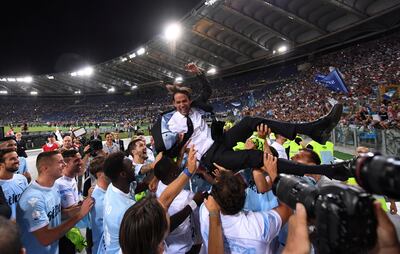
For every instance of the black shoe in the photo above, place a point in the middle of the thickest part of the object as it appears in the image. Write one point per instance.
(342, 171)
(324, 126)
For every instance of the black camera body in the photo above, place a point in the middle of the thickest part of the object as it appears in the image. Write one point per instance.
(378, 174)
(343, 215)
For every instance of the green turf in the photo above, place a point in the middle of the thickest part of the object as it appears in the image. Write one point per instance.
(342, 156)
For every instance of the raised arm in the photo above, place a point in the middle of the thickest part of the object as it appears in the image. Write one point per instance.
(46, 235)
(206, 91)
(177, 185)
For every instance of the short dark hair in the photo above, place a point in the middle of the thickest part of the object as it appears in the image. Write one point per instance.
(143, 227)
(107, 133)
(45, 155)
(114, 165)
(313, 155)
(163, 168)
(4, 152)
(229, 192)
(132, 145)
(69, 153)
(10, 242)
(97, 165)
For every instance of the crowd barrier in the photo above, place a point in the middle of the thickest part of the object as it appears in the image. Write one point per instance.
(386, 142)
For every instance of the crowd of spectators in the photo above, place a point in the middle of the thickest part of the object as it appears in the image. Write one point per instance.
(282, 93)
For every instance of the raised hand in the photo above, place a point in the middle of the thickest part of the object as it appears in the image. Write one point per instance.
(192, 161)
(270, 166)
(192, 68)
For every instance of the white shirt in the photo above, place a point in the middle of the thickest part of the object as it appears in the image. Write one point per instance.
(245, 232)
(180, 240)
(68, 191)
(280, 149)
(201, 137)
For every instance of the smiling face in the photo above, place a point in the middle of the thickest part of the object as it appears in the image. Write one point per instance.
(109, 138)
(73, 165)
(11, 162)
(56, 166)
(140, 149)
(182, 103)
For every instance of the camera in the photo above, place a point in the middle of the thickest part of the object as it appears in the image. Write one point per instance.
(378, 174)
(95, 145)
(343, 215)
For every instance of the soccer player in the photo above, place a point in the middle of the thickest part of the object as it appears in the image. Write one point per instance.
(12, 184)
(39, 209)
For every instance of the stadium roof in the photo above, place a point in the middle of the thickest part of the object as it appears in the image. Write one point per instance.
(230, 36)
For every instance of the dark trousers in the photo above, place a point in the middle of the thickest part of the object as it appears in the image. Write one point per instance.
(221, 151)
(66, 246)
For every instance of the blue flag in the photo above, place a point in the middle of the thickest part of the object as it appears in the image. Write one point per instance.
(332, 81)
(389, 94)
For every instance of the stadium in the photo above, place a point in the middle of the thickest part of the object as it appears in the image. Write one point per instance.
(227, 86)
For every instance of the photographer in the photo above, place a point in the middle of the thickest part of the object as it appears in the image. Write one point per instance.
(298, 241)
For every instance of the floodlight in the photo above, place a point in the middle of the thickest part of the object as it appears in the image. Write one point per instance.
(28, 79)
(77, 92)
(50, 77)
(282, 49)
(141, 51)
(3, 92)
(133, 55)
(172, 31)
(111, 89)
(87, 71)
(3, 79)
(134, 87)
(124, 59)
(212, 71)
(74, 74)
(11, 79)
(210, 2)
(178, 80)
(34, 92)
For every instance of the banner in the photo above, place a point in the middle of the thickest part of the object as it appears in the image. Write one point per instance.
(389, 94)
(332, 81)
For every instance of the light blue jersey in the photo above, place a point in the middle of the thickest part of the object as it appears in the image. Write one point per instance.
(116, 203)
(13, 189)
(96, 217)
(23, 166)
(38, 207)
(258, 202)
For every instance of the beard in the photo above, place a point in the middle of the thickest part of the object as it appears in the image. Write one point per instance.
(12, 169)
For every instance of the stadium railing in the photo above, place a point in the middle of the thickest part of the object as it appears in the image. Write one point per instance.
(386, 142)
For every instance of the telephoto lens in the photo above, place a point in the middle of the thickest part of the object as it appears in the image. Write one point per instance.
(343, 215)
(378, 174)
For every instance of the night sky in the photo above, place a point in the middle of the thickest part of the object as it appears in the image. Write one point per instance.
(39, 37)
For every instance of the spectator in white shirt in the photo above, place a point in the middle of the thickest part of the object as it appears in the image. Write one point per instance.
(278, 145)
